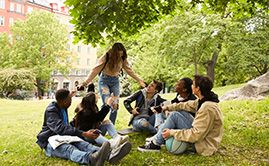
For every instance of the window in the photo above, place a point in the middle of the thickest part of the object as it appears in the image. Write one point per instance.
(11, 21)
(18, 9)
(29, 9)
(11, 8)
(2, 20)
(66, 85)
(79, 48)
(78, 61)
(88, 61)
(2, 4)
(88, 50)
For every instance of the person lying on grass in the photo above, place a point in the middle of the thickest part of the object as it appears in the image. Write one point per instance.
(89, 117)
(204, 132)
(59, 139)
(143, 118)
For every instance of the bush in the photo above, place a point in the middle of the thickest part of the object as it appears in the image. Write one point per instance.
(13, 79)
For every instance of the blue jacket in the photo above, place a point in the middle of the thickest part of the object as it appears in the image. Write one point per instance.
(53, 124)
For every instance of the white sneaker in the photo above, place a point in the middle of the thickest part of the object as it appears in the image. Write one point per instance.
(118, 153)
(149, 139)
(124, 138)
(115, 142)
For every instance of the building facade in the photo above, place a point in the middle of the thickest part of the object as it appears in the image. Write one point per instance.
(86, 55)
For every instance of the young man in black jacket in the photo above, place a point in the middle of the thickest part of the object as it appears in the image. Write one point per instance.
(59, 139)
(143, 118)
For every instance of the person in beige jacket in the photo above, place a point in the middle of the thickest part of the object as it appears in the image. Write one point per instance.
(203, 132)
(109, 67)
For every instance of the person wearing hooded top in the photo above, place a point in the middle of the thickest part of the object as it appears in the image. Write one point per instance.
(143, 118)
(203, 132)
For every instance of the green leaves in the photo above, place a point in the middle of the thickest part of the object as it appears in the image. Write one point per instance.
(114, 18)
(12, 79)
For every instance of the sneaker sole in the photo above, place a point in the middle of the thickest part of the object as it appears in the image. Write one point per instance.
(104, 155)
(125, 149)
(147, 150)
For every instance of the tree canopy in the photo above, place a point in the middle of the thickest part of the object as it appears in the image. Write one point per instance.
(39, 44)
(96, 19)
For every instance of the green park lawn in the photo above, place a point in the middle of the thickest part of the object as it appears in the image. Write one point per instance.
(245, 141)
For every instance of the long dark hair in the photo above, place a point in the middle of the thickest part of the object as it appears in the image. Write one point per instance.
(114, 57)
(88, 104)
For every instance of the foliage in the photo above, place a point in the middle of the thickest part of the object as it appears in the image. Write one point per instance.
(5, 47)
(98, 19)
(95, 18)
(12, 79)
(246, 48)
(39, 44)
(245, 140)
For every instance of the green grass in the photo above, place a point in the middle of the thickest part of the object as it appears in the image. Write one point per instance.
(245, 141)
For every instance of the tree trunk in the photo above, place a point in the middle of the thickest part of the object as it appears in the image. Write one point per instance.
(210, 69)
(40, 89)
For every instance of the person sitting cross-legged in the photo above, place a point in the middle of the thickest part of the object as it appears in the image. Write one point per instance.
(204, 132)
(59, 139)
(143, 118)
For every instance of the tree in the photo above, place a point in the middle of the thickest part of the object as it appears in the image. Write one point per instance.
(98, 19)
(6, 48)
(40, 45)
(12, 79)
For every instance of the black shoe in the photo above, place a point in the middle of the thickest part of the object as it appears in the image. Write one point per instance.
(149, 147)
(98, 158)
(118, 153)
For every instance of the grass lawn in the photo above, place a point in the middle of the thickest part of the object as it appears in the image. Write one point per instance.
(245, 141)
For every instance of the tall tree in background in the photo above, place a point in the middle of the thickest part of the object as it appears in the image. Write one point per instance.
(40, 45)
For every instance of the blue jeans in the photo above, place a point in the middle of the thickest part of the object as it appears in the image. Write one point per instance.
(176, 120)
(107, 85)
(159, 119)
(106, 126)
(78, 152)
(145, 124)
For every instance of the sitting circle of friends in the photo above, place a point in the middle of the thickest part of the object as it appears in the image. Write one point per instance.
(193, 116)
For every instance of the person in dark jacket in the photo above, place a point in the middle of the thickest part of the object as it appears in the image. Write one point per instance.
(59, 139)
(143, 118)
(184, 93)
(89, 117)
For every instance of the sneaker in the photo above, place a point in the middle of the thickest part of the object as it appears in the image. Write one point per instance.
(118, 153)
(149, 139)
(115, 142)
(124, 138)
(149, 147)
(118, 140)
(98, 158)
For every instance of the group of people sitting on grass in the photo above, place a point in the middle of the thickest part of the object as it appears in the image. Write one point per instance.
(196, 121)
(193, 116)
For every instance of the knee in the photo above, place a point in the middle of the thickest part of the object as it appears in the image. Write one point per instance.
(104, 90)
(106, 122)
(175, 114)
(144, 123)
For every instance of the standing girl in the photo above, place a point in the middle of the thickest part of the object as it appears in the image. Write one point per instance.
(109, 67)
